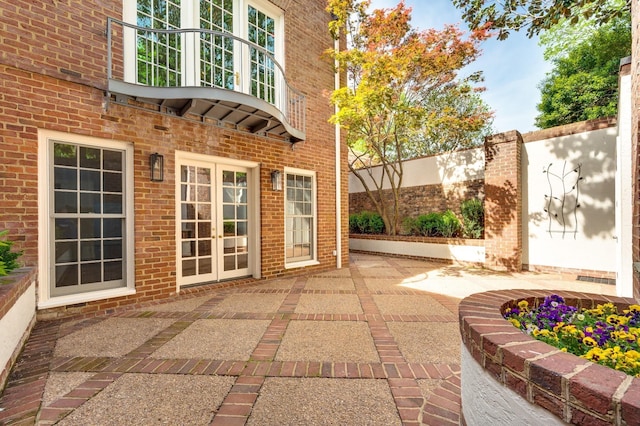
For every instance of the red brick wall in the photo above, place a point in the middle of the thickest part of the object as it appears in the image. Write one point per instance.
(53, 75)
(570, 129)
(417, 200)
(503, 201)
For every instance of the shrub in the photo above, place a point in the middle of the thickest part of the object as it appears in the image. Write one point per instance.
(366, 223)
(427, 224)
(353, 223)
(7, 257)
(445, 225)
(473, 218)
(449, 225)
(410, 226)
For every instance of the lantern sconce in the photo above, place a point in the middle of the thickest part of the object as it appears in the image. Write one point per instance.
(276, 180)
(156, 162)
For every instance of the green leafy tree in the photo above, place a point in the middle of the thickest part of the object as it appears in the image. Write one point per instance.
(536, 15)
(562, 37)
(391, 107)
(441, 133)
(584, 84)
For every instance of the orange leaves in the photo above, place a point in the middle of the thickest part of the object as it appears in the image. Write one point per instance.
(403, 86)
(386, 28)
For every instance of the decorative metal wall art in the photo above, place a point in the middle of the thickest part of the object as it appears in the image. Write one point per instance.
(563, 198)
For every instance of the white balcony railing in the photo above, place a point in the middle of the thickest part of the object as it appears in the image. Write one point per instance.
(218, 68)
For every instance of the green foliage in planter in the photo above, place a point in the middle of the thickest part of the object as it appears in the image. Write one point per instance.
(449, 225)
(410, 226)
(473, 218)
(445, 225)
(7, 257)
(366, 223)
(427, 224)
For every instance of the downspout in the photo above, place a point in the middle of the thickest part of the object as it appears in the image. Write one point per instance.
(338, 165)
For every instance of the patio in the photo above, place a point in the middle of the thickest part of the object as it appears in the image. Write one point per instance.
(375, 343)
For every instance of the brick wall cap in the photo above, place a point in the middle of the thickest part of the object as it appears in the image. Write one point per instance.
(588, 390)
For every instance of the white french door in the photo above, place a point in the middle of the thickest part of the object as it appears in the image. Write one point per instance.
(215, 232)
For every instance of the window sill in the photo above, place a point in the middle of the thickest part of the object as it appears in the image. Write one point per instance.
(301, 264)
(55, 302)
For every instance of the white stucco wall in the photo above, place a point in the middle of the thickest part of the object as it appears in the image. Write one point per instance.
(485, 401)
(582, 237)
(14, 324)
(624, 192)
(443, 169)
(455, 252)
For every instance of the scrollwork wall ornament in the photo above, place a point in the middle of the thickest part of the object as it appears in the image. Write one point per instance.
(563, 199)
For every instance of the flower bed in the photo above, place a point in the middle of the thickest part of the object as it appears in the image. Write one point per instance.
(509, 377)
(602, 334)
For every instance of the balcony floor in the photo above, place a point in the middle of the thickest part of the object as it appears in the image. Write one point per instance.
(225, 108)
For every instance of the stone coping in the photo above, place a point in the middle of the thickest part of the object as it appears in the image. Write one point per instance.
(576, 390)
(13, 286)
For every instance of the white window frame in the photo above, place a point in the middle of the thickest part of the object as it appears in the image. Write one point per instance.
(45, 299)
(190, 19)
(314, 196)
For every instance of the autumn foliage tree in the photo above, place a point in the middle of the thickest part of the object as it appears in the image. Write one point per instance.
(403, 86)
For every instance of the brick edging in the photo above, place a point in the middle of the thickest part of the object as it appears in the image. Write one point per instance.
(575, 390)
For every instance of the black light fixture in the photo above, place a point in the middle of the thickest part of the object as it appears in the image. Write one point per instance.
(156, 163)
(276, 181)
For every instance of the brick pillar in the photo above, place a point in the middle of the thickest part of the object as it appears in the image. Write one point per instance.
(503, 201)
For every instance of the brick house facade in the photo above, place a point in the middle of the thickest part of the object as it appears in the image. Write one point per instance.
(76, 137)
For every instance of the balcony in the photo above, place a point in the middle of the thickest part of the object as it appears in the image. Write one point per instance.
(208, 76)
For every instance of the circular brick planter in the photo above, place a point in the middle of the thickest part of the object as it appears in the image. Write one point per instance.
(511, 378)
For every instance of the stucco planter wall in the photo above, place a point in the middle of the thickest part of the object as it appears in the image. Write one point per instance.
(17, 316)
(511, 378)
(443, 249)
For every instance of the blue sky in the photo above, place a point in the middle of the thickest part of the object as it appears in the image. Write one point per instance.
(512, 68)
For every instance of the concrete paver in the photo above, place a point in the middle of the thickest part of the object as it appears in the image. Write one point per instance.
(374, 343)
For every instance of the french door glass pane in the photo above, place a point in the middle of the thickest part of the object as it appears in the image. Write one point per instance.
(216, 51)
(261, 31)
(196, 220)
(159, 54)
(234, 204)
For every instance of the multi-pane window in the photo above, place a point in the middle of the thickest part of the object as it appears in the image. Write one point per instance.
(88, 218)
(299, 217)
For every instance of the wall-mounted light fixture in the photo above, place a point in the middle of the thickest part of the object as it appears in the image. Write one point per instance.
(276, 180)
(156, 162)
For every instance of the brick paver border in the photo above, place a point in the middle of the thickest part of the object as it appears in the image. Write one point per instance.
(21, 400)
